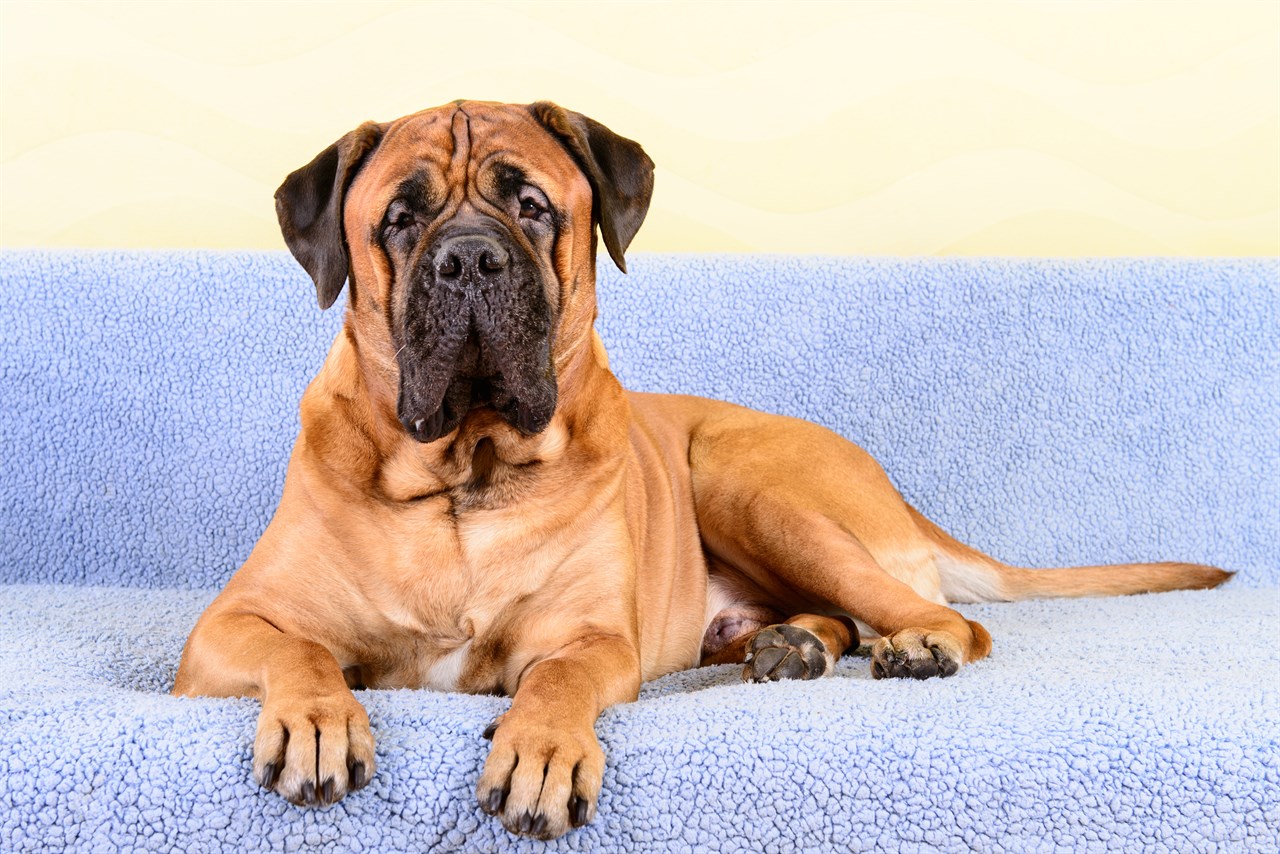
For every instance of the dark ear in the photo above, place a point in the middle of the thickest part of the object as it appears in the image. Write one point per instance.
(309, 207)
(621, 174)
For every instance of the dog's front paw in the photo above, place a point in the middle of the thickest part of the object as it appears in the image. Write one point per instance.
(916, 654)
(313, 750)
(540, 779)
(786, 652)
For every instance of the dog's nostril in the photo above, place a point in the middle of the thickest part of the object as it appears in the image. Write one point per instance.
(489, 264)
(449, 267)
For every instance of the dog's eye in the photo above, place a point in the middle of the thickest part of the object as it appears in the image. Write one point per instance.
(530, 209)
(399, 216)
(533, 203)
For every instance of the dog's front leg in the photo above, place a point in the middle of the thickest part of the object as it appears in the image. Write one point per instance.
(313, 743)
(544, 771)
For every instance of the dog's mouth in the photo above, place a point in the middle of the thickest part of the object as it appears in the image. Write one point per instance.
(435, 398)
(467, 394)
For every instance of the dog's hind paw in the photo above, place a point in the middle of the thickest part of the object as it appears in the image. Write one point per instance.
(786, 652)
(916, 654)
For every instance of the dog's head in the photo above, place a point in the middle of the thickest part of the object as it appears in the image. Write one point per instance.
(468, 235)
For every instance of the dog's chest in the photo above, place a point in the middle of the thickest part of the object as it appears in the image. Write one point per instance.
(454, 602)
(458, 648)
(444, 672)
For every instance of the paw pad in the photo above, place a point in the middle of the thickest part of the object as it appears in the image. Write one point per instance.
(786, 652)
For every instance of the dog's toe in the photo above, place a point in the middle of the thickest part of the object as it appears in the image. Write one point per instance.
(916, 654)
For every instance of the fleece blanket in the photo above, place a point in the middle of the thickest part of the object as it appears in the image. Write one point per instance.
(1051, 412)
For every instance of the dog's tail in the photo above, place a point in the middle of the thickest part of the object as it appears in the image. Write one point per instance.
(968, 575)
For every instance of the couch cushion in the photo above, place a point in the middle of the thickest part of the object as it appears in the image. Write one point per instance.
(1141, 723)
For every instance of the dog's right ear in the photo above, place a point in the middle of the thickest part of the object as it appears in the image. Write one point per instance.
(309, 207)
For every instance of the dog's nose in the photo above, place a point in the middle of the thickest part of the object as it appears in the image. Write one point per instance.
(470, 259)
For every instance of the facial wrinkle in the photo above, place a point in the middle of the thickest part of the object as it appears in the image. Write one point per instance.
(461, 153)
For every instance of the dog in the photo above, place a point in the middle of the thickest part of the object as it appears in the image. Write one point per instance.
(474, 503)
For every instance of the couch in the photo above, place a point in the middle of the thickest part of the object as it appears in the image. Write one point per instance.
(1051, 412)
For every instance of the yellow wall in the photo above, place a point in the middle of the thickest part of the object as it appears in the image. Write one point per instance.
(1018, 128)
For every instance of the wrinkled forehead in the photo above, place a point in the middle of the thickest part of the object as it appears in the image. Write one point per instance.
(453, 145)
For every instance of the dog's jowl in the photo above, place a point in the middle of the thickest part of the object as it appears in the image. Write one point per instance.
(475, 504)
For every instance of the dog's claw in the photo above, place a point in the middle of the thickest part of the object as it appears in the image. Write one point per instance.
(490, 730)
(308, 794)
(270, 773)
(358, 775)
(578, 811)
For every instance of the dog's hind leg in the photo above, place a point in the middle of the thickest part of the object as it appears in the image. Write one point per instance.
(811, 521)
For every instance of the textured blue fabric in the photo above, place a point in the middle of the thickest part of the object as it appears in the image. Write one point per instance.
(1142, 723)
(1046, 411)
(1051, 412)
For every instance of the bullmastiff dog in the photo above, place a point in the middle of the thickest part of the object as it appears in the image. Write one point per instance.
(476, 504)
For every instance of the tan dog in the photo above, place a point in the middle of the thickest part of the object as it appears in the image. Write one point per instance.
(475, 503)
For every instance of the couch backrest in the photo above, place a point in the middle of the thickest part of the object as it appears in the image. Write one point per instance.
(1048, 411)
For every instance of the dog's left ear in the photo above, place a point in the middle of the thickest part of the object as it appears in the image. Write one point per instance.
(620, 173)
(309, 207)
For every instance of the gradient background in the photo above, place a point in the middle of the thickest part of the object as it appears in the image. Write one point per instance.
(1010, 128)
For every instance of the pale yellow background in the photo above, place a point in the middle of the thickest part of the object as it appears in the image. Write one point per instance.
(1015, 128)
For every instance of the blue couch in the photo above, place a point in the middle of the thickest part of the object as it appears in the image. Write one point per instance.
(1050, 412)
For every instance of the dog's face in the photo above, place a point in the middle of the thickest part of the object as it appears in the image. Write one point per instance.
(468, 232)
